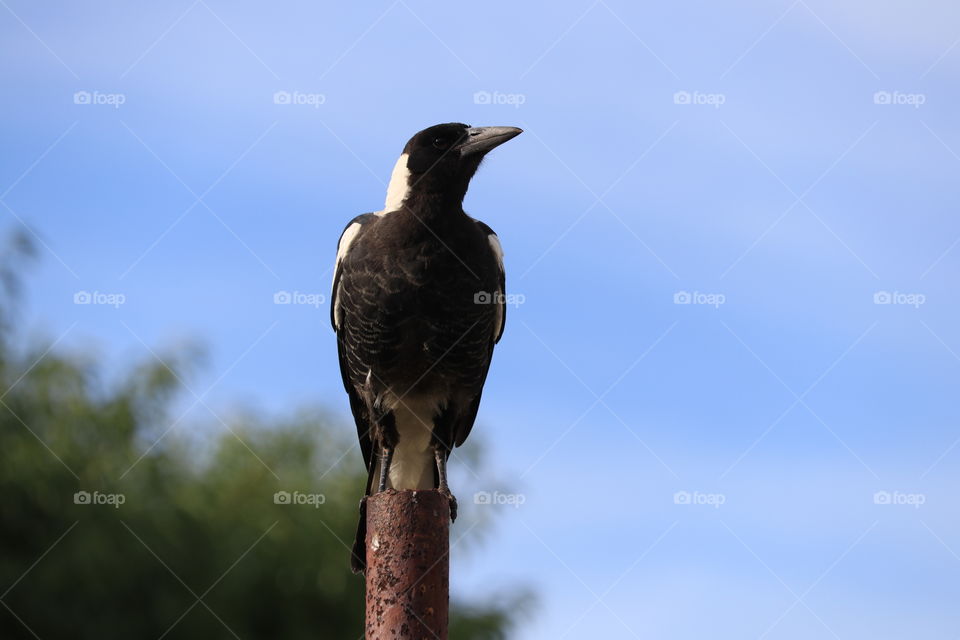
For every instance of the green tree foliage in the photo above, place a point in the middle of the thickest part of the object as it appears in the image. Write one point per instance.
(110, 528)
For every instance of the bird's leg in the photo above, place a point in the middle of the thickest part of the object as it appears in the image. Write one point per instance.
(444, 488)
(385, 457)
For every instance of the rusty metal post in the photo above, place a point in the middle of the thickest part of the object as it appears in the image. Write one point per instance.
(408, 565)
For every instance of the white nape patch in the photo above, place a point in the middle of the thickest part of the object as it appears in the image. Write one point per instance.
(498, 251)
(349, 235)
(398, 188)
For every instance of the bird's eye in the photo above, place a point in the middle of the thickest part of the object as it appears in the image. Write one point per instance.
(440, 143)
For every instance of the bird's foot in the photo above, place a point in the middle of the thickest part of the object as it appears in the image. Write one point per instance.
(453, 503)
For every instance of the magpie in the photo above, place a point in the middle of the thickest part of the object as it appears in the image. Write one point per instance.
(417, 306)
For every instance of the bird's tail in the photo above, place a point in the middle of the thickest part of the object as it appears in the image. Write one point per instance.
(358, 556)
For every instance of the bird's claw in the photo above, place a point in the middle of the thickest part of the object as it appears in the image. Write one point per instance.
(453, 504)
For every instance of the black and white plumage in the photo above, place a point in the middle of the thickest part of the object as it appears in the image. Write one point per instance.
(417, 306)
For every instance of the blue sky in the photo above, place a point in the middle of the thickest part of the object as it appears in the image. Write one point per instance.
(738, 152)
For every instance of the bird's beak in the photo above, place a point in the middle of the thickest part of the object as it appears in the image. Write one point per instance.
(480, 140)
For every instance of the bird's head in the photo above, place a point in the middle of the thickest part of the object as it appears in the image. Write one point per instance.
(438, 162)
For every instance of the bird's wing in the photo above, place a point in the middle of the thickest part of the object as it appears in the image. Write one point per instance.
(357, 406)
(347, 238)
(501, 292)
(463, 422)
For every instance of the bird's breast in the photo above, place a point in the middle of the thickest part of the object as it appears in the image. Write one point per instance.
(413, 303)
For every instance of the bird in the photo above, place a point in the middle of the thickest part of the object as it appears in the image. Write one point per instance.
(418, 304)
